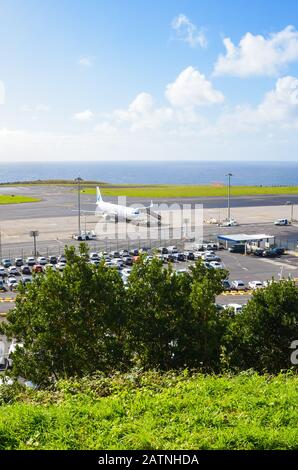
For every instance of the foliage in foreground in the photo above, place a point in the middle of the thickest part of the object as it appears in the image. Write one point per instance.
(154, 411)
(87, 321)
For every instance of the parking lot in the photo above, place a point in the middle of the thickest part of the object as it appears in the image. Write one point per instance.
(246, 268)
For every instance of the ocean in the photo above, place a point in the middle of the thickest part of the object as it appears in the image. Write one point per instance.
(157, 172)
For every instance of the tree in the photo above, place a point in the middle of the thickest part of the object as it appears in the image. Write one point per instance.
(70, 324)
(260, 337)
(172, 318)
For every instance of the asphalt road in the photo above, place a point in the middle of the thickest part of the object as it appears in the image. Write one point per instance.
(62, 202)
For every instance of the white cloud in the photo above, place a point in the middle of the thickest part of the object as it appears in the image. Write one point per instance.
(84, 116)
(86, 61)
(257, 55)
(188, 32)
(191, 88)
(39, 108)
(281, 104)
(276, 113)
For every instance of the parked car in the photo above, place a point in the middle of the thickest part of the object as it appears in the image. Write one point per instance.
(179, 257)
(2, 271)
(50, 267)
(209, 256)
(163, 250)
(172, 249)
(238, 248)
(61, 266)
(239, 285)
(42, 260)
(278, 250)
(37, 268)
(13, 271)
(52, 259)
(18, 262)
(227, 285)
(258, 252)
(26, 280)
(181, 271)
(190, 256)
(26, 270)
(2, 285)
(61, 259)
(30, 261)
(94, 256)
(6, 263)
(12, 283)
(282, 222)
(128, 261)
(229, 223)
(255, 285)
(216, 265)
(237, 308)
(269, 253)
(211, 246)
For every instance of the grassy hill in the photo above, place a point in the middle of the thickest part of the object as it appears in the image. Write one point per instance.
(154, 411)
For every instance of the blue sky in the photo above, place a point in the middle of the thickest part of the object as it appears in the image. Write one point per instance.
(132, 79)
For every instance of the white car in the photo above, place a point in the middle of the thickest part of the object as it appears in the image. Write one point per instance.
(236, 307)
(181, 271)
(126, 272)
(2, 271)
(12, 283)
(282, 222)
(172, 249)
(229, 223)
(42, 260)
(210, 257)
(216, 265)
(61, 266)
(30, 261)
(238, 285)
(117, 262)
(13, 271)
(255, 285)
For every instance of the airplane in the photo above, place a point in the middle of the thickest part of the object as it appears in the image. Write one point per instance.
(111, 211)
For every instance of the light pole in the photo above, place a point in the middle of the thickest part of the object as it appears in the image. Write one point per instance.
(78, 181)
(34, 234)
(229, 195)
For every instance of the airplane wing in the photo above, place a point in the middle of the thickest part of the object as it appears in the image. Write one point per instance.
(142, 209)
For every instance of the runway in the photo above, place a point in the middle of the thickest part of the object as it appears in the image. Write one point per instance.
(59, 201)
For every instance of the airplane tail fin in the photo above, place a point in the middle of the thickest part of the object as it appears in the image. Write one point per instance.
(98, 195)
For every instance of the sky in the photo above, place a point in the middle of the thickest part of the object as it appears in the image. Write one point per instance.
(146, 80)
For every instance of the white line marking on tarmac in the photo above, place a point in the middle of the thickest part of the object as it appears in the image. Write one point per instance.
(278, 263)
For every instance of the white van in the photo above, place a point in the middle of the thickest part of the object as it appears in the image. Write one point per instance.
(282, 222)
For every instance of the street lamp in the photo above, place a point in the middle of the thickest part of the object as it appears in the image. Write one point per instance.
(229, 175)
(34, 234)
(78, 181)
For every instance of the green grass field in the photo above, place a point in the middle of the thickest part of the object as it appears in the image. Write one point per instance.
(173, 191)
(155, 411)
(4, 199)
